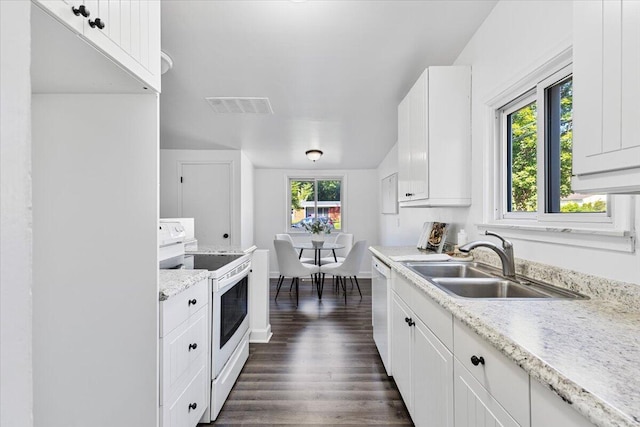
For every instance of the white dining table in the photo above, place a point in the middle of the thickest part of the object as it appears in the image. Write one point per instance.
(317, 250)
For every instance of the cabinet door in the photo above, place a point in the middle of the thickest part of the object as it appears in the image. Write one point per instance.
(548, 410)
(404, 152)
(606, 73)
(180, 349)
(474, 405)
(401, 334)
(62, 11)
(130, 36)
(418, 140)
(187, 408)
(449, 108)
(432, 379)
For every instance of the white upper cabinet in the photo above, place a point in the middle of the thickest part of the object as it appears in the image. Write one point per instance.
(606, 91)
(434, 135)
(126, 31)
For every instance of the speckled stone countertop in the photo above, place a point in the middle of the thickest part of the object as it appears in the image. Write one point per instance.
(172, 282)
(226, 250)
(586, 351)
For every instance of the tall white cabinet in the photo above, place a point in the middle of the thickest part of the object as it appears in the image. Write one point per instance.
(434, 134)
(95, 215)
(606, 70)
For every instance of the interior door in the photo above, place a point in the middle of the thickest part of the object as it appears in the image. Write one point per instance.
(206, 197)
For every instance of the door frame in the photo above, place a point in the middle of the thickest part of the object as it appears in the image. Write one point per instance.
(233, 208)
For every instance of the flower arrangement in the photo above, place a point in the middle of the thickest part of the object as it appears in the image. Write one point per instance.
(318, 227)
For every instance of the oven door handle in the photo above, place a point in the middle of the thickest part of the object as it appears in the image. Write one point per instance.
(239, 274)
(244, 270)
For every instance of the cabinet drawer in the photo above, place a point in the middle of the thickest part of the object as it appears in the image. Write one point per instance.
(506, 382)
(183, 350)
(438, 319)
(179, 308)
(474, 404)
(188, 407)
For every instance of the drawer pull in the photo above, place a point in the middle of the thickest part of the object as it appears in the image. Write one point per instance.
(80, 10)
(193, 405)
(195, 345)
(477, 360)
(193, 302)
(409, 321)
(97, 23)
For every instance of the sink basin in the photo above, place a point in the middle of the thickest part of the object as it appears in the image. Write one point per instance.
(448, 269)
(473, 280)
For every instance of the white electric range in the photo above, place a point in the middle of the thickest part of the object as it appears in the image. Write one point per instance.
(229, 319)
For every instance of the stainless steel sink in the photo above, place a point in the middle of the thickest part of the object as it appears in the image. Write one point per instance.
(472, 280)
(448, 269)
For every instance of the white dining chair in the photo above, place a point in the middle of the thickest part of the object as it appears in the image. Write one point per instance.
(339, 255)
(347, 269)
(287, 237)
(290, 266)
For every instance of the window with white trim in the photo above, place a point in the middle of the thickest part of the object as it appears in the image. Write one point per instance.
(315, 198)
(536, 148)
(529, 167)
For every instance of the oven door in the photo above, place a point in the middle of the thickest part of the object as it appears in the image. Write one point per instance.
(230, 321)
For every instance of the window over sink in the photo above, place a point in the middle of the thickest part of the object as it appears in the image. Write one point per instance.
(530, 166)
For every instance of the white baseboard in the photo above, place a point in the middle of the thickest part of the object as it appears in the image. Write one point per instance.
(261, 335)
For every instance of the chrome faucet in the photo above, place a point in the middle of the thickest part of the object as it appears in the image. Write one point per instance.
(505, 253)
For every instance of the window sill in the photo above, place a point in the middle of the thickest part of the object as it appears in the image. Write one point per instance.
(605, 239)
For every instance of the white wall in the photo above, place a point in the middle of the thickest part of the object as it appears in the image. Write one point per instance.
(16, 390)
(241, 187)
(361, 193)
(246, 201)
(95, 271)
(503, 49)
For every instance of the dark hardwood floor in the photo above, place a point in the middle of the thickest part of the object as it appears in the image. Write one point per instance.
(320, 368)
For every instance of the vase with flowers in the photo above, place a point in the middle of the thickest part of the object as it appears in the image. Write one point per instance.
(319, 230)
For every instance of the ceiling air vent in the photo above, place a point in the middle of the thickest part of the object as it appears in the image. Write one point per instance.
(231, 105)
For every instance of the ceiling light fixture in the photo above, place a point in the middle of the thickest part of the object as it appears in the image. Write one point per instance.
(313, 155)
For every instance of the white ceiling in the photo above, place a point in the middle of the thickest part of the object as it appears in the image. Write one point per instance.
(334, 72)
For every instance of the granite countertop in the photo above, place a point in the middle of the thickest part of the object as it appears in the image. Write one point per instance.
(172, 282)
(222, 250)
(586, 351)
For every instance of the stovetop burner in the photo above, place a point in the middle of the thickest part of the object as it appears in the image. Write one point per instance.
(213, 262)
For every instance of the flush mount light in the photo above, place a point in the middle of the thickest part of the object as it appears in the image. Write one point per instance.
(313, 155)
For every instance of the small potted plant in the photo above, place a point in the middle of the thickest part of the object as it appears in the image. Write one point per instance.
(318, 229)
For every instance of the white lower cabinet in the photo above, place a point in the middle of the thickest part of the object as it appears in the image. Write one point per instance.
(402, 343)
(474, 405)
(422, 365)
(433, 370)
(549, 410)
(187, 408)
(185, 357)
(449, 376)
(500, 386)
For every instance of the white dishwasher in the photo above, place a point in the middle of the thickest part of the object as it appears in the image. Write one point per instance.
(381, 300)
